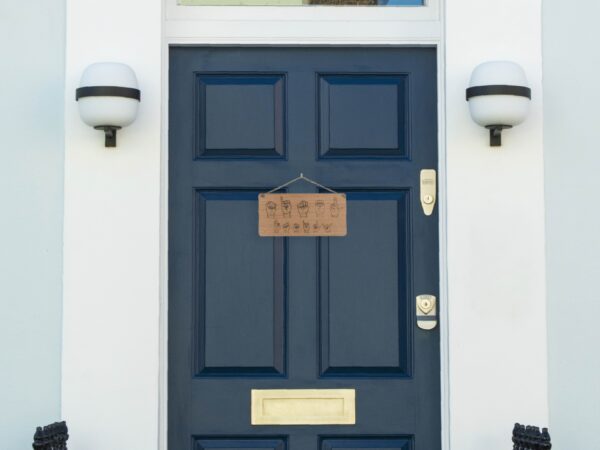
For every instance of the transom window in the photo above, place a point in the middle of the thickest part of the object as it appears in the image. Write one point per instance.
(301, 2)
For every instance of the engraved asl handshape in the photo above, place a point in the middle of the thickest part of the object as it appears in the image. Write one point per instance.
(320, 207)
(303, 208)
(334, 208)
(271, 209)
(286, 207)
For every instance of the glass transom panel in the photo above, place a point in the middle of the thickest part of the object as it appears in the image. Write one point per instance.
(301, 2)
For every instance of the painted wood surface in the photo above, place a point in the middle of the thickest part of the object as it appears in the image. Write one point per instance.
(249, 312)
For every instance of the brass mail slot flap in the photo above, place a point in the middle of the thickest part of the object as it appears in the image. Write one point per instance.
(303, 407)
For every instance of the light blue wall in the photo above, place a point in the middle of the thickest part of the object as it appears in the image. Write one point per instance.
(572, 164)
(32, 44)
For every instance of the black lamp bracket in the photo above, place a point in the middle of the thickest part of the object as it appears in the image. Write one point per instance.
(110, 134)
(110, 131)
(496, 134)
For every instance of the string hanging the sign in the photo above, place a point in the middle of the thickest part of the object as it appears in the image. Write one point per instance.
(301, 178)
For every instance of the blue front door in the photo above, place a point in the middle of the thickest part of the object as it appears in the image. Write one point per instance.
(247, 312)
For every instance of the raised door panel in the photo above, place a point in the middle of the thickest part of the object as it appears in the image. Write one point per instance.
(367, 443)
(364, 312)
(240, 115)
(239, 443)
(363, 115)
(240, 285)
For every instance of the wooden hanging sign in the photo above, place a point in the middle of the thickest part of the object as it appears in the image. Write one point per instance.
(297, 215)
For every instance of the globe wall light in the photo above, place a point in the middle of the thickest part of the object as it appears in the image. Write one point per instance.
(108, 98)
(499, 97)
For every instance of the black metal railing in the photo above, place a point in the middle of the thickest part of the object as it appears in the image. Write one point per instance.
(51, 437)
(530, 438)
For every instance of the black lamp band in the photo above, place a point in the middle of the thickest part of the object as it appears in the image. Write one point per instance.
(107, 91)
(498, 89)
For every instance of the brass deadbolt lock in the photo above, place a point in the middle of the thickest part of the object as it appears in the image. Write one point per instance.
(425, 304)
(426, 312)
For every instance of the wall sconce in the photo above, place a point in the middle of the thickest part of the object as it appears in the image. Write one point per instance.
(498, 97)
(108, 98)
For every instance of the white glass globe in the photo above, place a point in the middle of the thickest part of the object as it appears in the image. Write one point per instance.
(108, 111)
(498, 109)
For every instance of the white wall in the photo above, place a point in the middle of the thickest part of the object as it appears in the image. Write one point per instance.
(111, 257)
(31, 195)
(495, 227)
(572, 96)
(495, 234)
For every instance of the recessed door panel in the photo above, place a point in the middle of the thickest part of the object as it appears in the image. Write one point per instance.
(240, 115)
(370, 443)
(363, 115)
(364, 281)
(239, 443)
(240, 311)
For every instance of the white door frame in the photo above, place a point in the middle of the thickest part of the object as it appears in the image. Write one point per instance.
(305, 26)
(491, 214)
